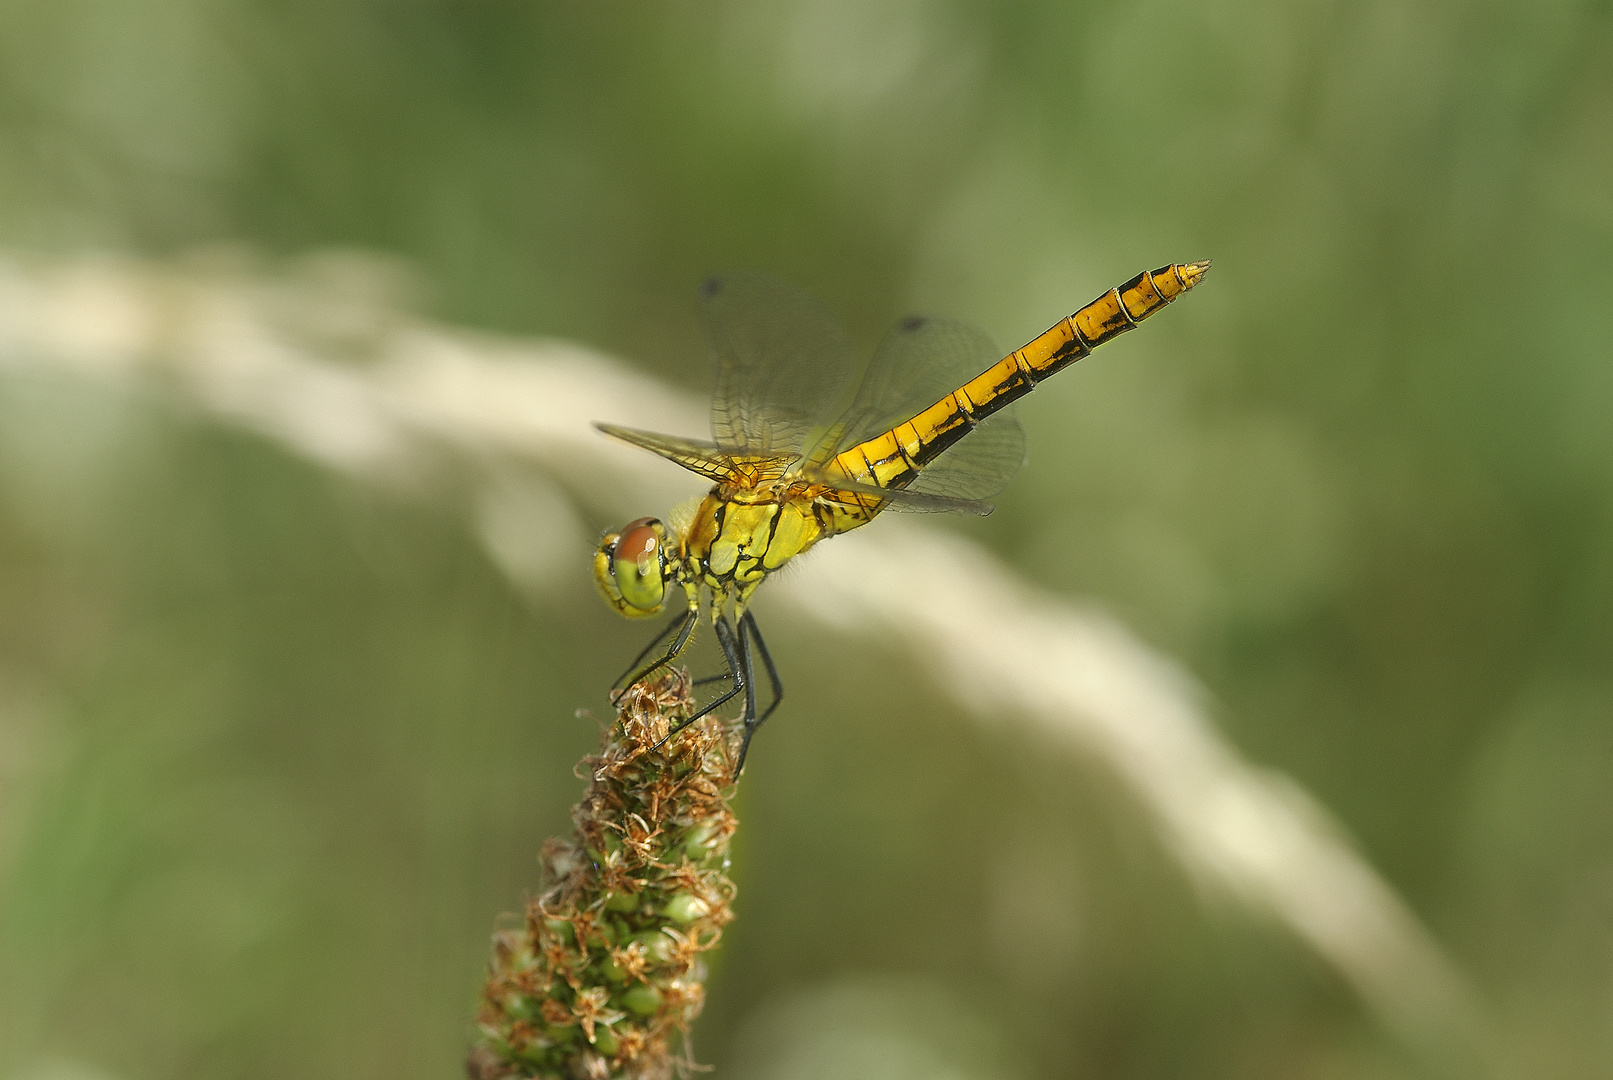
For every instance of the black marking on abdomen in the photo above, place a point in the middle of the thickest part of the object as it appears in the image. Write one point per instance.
(948, 438)
(1067, 353)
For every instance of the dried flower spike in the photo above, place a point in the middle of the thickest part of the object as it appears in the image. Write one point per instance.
(605, 975)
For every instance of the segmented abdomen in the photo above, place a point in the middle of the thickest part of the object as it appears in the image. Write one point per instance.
(893, 459)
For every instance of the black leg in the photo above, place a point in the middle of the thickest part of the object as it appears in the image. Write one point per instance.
(749, 633)
(736, 671)
(749, 663)
(677, 621)
(685, 623)
(748, 622)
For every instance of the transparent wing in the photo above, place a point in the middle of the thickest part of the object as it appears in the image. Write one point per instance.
(871, 496)
(707, 459)
(919, 362)
(783, 366)
(980, 464)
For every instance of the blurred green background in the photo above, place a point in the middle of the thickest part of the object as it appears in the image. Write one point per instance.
(275, 748)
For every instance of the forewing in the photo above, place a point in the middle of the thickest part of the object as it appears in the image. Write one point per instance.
(707, 459)
(919, 362)
(783, 365)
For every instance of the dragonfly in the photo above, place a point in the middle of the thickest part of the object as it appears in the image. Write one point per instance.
(806, 445)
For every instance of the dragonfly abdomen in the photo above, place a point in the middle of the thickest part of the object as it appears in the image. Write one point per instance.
(894, 458)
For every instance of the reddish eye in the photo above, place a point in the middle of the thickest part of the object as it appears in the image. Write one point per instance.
(637, 563)
(638, 541)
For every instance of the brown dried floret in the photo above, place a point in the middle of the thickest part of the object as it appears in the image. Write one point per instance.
(604, 975)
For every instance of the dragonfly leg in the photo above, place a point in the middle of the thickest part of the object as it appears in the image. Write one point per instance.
(736, 672)
(677, 621)
(749, 622)
(750, 634)
(749, 717)
(684, 624)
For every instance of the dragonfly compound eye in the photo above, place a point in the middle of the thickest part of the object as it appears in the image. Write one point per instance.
(637, 567)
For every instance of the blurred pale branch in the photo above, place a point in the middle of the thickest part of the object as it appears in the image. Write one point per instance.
(326, 363)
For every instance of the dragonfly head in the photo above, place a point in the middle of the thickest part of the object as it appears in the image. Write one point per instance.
(630, 568)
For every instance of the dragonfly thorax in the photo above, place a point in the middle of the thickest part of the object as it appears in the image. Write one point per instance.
(740, 536)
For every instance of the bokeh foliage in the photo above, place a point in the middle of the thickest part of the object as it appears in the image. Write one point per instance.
(275, 748)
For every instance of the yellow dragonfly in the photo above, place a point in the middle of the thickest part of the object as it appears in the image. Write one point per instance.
(802, 450)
